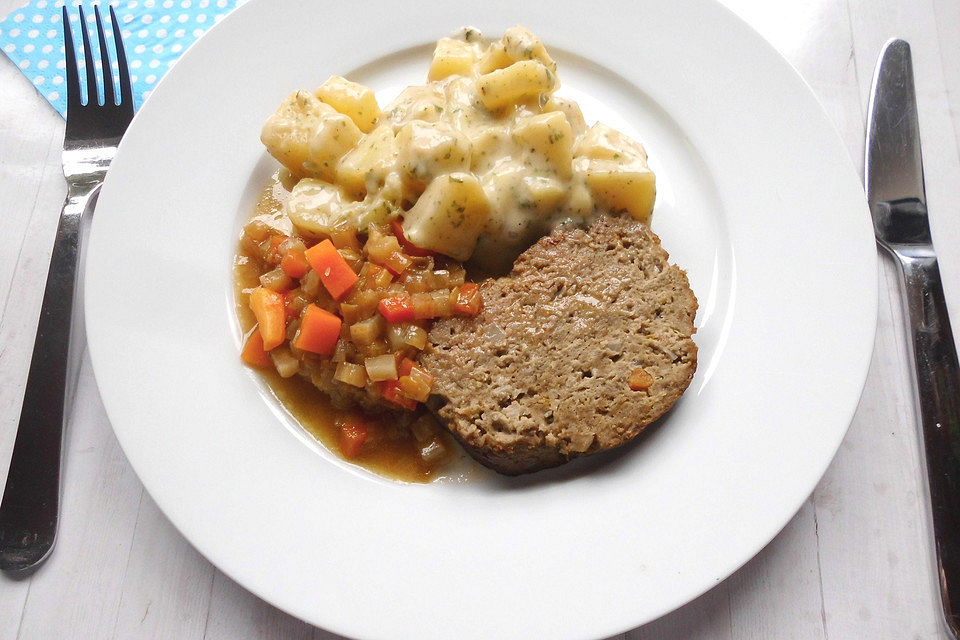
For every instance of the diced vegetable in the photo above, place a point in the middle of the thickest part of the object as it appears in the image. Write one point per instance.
(295, 302)
(294, 263)
(381, 368)
(468, 302)
(283, 360)
(417, 384)
(396, 263)
(319, 331)
(391, 391)
(433, 304)
(352, 374)
(396, 309)
(408, 247)
(253, 352)
(351, 438)
(276, 280)
(381, 246)
(416, 337)
(335, 274)
(433, 452)
(268, 307)
(366, 332)
(639, 380)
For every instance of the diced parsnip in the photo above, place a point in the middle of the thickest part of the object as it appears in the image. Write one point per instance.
(287, 133)
(604, 143)
(520, 82)
(380, 368)
(449, 216)
(352, 374)
(495, 57)
(366, 166)
(548, 139)
(351, 99)
(283, 360)
(569, 108)
(335, 135)
(316, 207)
(618, 188)
(520, 44)
(452, 57)
(428, 149)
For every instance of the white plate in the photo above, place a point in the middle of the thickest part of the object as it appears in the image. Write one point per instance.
(757, 199)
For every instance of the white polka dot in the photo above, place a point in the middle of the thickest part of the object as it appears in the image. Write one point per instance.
(131, 5)
(151, 79)
(176, 48)
(42, 4)
(24, 64)
(28, 48)
(92, 18)
(147, 19)
(222, 4)
(52, 33)
(183, 17)
(139, 48)
(185, 4)
(148, 3)
(38, 80)
(161, 33)
(197, 33)
(33, 33)
(202, 17)
(164, 19)
(53, 95)
(18, 17)
(38, 19)
(203, 4)
(167, 4)
(154, 64)
(143, 33)
(128, 18)
(146, 94)
(10, 48)
(61, 64)
(55, 18)
(125, 33)
(171, 63)
(43, 64)
(157, 48)
(14, 33)
(179, 33)
(133, 78)
(57, 79)
(135, 64)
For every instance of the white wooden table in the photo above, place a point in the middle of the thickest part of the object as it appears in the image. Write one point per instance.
(853, 563)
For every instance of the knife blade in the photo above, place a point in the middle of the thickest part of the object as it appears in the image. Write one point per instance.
(893, 176)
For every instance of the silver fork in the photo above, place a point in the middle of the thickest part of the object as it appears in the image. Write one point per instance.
(31, 499)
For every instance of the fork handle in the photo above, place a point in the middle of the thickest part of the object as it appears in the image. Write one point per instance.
(938, 386)
(31, 498)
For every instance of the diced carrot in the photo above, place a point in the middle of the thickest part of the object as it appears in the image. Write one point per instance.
(391, 391)
(319, 331)
(351, 438)
(468, 301)
(396, 309)
(335, 274)
(253, 352)
(268, 306)
(294, 263)
(408, 246)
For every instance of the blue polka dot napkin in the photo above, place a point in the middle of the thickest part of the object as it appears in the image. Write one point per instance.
(155, 33)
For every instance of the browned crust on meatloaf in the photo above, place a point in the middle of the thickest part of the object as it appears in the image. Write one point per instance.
(540, 376)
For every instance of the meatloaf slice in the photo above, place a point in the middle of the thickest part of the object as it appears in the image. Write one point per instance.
(548, 370)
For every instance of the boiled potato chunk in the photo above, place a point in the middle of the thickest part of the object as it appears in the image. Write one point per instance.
(428, 149)
(416, 103)
(315, 207)
(520, 44)
(569, 108)
(333, 138)
(449, 216)
(366, 166)
(617, 188)
(495, 57)
(287, 133)
(545, 194)
(351, 99)
(520, 82)
(451, 58)
(547, 137)
(605, 143)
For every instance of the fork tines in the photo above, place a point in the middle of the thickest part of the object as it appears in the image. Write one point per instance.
(80, 106)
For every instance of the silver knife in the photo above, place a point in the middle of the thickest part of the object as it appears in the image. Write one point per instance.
(894, 182)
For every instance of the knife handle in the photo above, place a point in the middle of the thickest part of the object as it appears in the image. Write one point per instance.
(938, 387)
